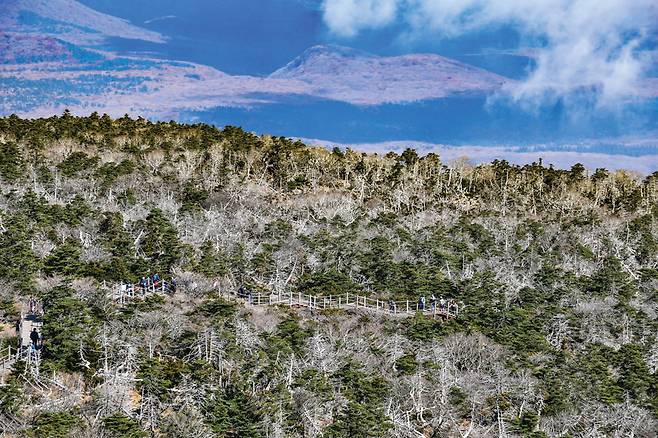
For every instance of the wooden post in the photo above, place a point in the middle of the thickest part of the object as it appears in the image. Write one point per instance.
(407, 306)
(339, 298)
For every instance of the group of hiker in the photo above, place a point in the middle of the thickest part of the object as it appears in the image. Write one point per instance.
(440, 305)
(247, 294)
(33, 305)
(149, 282)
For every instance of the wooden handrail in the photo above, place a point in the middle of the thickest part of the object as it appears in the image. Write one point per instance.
(394, 308)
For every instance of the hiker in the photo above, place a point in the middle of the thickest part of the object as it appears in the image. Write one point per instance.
(391, 306)
(241, 293)
(143, 283)
(433, 302)
(442, 304)
(173, 284)
(453, 308)
(421, 303)
(33, 305)
(156, 279)
(34, 337)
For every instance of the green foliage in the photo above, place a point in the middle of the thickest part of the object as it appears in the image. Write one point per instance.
(611, 279)
(358, 421)
(330, 282)
(232, 414)
(54, 425)
(158, 376)
(217, 308)
(12, 165)
(65, 259)
(127, 197)
(68, 330)
(634, 376)
(108, 173)
(277, 230)
(406, 364)
(597, 367)
(18, 263)
(213, 262)
(45, 176)
(363, 415)
(121, 426)
(160, 243)
(422, 328)
(11, 397)
(526, 425)
(118, 241)
(193, 197)
(77, 162)
(289, 335)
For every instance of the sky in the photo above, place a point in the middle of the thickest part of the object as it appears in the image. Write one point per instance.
(575, 43)
(556, 48)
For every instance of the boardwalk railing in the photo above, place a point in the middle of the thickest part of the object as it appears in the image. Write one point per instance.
(126, 293)
(7, 358)
(346, 301)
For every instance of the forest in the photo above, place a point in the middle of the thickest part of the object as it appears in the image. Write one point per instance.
(555, 272)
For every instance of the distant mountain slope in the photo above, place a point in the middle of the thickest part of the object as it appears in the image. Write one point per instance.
(69, 20)
(19, 49)
(342, 73)
(85, 79)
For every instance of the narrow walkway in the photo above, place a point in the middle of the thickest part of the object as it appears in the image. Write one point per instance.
(347, 301)
(126, 293)
(24, 350)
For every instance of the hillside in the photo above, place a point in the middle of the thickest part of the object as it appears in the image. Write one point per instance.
(345, 74)
(555, 273)
(69, 20)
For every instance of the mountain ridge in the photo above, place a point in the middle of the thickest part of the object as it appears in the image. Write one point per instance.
(343, 73)
(71, 21)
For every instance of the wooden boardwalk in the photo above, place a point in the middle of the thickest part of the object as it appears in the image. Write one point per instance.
(126, 293)
(25, 351)
(347, 301)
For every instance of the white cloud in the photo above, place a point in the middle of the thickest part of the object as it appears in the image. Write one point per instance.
(589, 44)
(348, 17)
